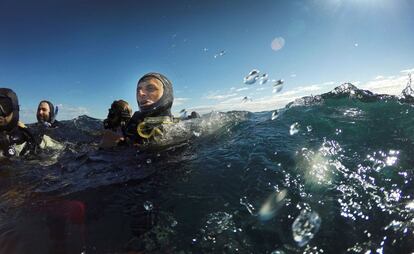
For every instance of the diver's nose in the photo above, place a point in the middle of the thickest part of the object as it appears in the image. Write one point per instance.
(141, 93)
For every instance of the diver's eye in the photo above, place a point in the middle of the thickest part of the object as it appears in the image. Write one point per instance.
(150, 88)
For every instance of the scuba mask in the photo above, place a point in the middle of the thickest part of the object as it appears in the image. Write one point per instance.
(9, 104)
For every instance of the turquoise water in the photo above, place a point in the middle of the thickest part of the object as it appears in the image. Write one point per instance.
(326, 174)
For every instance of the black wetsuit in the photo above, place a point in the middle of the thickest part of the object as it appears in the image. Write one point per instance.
(18, 136)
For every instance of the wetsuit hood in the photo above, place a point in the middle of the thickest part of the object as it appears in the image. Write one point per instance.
(10, 104)
(52, 113)
(163, 106)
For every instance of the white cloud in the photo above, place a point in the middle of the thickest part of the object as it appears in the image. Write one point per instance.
(69, 112)
(180, 101)
(408, 71)
(392, 86)
(220, 97)
(242, 89)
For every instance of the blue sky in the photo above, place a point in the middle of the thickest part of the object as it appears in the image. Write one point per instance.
(82, 55)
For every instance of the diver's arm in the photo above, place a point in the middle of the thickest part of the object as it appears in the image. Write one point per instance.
(110, 139)
(31, 146)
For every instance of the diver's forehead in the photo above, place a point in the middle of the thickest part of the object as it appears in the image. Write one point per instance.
(44, 105)
(150, 81)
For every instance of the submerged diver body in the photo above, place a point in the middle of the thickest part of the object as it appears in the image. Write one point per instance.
(13, 133)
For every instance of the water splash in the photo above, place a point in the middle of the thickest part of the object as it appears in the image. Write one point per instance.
(252, 77)
(294, 129)
(408, 91)
(263, 79)
(148, 205)
(277, 85)
(275, 114)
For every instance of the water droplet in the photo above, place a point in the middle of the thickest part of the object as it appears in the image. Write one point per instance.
(149, 161)
(229, 165)
(246, 99)
(294, 128)
(277, 43)
(264, 78)
(252, 77)
(309, 128)
(305, 226)
(244, 201)
(277, 252)
(275, 114)
(272, 205)
(174, 223)
(205, 49)
(148, 205)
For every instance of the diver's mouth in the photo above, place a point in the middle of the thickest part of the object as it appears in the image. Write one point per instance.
(146, 103)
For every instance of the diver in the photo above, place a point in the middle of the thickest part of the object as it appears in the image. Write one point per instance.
(115, 123)
(46, 114)
(193, 115)
(15, 137)
(155, 98)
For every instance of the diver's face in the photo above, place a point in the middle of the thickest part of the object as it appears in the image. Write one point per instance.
(5, 120)
(149, 91)
(43, 111)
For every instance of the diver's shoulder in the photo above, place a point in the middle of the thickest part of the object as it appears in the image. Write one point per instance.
(21, 125)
